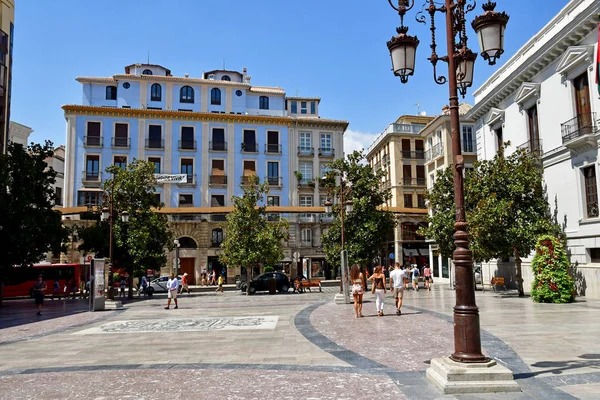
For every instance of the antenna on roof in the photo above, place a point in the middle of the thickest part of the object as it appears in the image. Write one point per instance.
(223, 64)
(418, 108)
(297, 90)
(148, 57)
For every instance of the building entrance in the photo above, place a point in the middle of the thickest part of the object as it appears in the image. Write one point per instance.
(187, 266)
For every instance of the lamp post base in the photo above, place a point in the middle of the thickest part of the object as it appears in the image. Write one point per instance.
(341, 299)
(452, 377)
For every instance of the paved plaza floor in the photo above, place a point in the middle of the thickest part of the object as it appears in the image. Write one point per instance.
(288, 346)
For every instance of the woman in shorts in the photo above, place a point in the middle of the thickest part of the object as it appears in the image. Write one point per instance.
(358, 288)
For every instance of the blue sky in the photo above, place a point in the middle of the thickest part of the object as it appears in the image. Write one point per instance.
(334, 49)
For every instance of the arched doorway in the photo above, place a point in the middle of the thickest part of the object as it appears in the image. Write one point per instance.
(187, 264)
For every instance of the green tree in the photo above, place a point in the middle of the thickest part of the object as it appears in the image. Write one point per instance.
(140, 243)
(252, 240)
(552, 282)
(29, 227)
(366, 227)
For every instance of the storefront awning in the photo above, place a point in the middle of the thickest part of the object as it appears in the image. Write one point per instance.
(410, 252)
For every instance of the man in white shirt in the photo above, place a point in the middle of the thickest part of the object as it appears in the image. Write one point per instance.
(397, 277)
(172, 286)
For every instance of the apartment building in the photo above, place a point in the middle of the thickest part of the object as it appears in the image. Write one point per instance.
(400, 151)
(544, 100)
(7, 28)
(215, 131)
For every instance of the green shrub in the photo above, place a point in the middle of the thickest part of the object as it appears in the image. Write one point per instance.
(552, 282)
(268, 269)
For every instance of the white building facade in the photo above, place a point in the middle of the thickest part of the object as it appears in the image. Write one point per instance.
(544, 99)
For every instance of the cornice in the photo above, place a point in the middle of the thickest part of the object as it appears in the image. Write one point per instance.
(198, 116)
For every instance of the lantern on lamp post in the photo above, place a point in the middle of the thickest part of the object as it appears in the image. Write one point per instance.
(490, 32)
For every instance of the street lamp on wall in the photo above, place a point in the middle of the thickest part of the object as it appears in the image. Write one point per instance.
(105, 214)
(125, 216)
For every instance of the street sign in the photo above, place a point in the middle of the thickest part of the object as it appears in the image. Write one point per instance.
(392, 255)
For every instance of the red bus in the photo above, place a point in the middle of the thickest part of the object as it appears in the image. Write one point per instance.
(19, 280)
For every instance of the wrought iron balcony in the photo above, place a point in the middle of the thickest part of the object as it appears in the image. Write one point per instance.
(190, 180)
(218, 217)
(592, 209)
(306, 151)
(121, 142)
(326, 218)
(414, 182)
(92, 141)
(532, 146)
(326, 152)
(217, 180)
(244, 180)
(415, 155)
(274, 180)
(272, 148)
(273, 217)
(155, 144)
(435, 152)
(217, 146)
(579, 133)
(187, 145)
(91, 176)
(307, 218)
(249, 148)
(306, 183)
(306, 243)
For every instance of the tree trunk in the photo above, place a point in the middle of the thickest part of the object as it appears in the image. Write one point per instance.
(519, 275)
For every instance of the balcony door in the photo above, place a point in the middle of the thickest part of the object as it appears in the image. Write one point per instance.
(218, 139)
(582, 101)
(534, 130)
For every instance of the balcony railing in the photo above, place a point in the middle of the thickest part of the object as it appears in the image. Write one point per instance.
(405, 128)
(306, 151)
(592, 209)
(469, 146)
(217, 146)
(120, 142)
(272, 148)
(273, 217)
(92, 141)
(274, 180)
(216, 244)
(190, 180)
(216, 180)
(307, 218)
(414, 182)
(305, 183)
(249, 148)
(155, 144)
(581, 125)
(326, 152)
(435, 152)
(218, 217)
(385, 159)
(187, 145)
(326, 218)
(244, 180)
(91, 176)
(414, 155)
(411, 235)
(306, 243)
(532, 146)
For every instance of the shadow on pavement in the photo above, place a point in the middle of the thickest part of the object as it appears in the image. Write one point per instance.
(21, 312)
(558, 367)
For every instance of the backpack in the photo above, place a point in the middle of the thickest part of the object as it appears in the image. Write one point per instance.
(415, 273)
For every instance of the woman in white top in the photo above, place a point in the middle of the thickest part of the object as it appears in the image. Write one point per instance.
(358, 288)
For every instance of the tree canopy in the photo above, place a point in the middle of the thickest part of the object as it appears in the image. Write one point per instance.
(29, 227)
(251, 239)
(366, 227)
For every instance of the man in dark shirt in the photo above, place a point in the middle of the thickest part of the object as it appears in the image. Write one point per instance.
(39, 289)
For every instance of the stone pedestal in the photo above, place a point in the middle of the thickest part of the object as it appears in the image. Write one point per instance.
(452, 377)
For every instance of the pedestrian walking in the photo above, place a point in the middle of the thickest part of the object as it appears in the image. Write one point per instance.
(122, 287)
(427, 277)
(213, 278)
(415, 278)
(407, 273)
(358, 288)
(220, 283)
(143, 286)
(172, 286)
(397, 280)
(39, 290)
(184, 283)
(56, 289)
(379, 289)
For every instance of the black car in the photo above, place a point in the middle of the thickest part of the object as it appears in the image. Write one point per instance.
(261, 282)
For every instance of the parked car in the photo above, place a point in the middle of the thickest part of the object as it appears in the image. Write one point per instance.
(261, 282)
(159, 285)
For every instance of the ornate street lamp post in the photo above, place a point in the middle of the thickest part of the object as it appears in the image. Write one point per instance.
(460, 59)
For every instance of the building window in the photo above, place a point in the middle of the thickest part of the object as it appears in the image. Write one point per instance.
(111, 93)
(120, 161)
(218, 140)
(534, 132)
(217, 200)
(217, 175)
(421, 201)
(306, 171)
(408, 200)
(306, 201)
(263, 102)
(94, 137)
(157, 198)
(249, 143)
(305, 142)
(121, 138)
(226, 78)
(313, 107)
(186, 200)
(499, 139)
(326, 142)
(591, 192)
(303, 109)
(155, 137)
(186, 94)
(217, 237)
(273, 201)
(273, 145)
(468, 144)
(85, 198)
(215, 96)
(294, 107)
(306, 235)
(595, 255)
(156, 92)
(92, 168)
(146, 72)
(187, 168)
(273, 173)
(156, 162)
(187, 138)
(58, 196)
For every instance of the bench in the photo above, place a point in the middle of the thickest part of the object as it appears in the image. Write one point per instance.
(497, 282)
(307, 284)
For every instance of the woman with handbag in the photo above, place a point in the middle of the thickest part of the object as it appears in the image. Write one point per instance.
(357, 282)
(378, 289)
